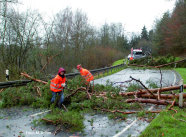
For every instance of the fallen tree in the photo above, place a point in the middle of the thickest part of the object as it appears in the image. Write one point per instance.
(163, 96)
(159, 66)
(143, 91)
(122, 112)
(111, 101)
(153, 101)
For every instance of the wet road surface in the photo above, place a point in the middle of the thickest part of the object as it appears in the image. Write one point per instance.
(168, 77)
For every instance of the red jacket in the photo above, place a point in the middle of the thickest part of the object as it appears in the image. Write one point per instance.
(55, 84)
(86, 74)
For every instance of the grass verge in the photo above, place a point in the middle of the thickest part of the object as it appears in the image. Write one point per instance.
(118, 62)
(182, 72)
(167, 125)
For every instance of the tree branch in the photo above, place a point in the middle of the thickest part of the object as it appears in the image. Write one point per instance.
(37, 80)
(143, 86)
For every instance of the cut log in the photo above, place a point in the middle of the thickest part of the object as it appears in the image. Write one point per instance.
(153, 101)
(143, 91)
(37, 80)
(163, 96)
(130, 112)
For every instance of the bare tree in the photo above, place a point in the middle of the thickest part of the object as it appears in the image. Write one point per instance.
(22, 35)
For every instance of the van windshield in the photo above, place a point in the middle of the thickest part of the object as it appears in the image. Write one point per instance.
(137, 53)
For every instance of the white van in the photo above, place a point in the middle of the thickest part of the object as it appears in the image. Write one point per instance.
(136, 54)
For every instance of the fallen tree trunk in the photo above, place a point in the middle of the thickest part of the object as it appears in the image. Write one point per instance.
(153, 101)
(37, 80)
(131, 112)
(156, 66)
(143, 91)
(164, 96)
(169, 63)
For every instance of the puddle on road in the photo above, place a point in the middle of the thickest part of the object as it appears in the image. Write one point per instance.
(16, 121)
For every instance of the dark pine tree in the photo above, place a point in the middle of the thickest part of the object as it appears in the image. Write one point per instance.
(144, 34)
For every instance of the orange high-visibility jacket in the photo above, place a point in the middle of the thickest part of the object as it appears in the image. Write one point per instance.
(55, 84)
(86, 75)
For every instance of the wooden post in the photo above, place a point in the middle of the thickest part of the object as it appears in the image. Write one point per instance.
(181, 94)
(175, 65)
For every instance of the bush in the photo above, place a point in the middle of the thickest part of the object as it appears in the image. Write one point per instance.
(27, 95)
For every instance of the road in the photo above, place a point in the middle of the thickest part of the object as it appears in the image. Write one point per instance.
(18, 121)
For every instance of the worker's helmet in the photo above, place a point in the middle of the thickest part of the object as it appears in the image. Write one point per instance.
(79, 66)
(61, 70)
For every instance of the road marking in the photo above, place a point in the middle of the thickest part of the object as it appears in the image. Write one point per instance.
(120, 133)
(39, 113)
(117, 135)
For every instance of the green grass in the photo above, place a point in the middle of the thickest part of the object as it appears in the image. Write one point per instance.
(177, 58)
(118, 62)
(182, 72)
(107, 73)
(166, 125)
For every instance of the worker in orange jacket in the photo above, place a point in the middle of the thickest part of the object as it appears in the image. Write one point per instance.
(57, 85)
(85, 74)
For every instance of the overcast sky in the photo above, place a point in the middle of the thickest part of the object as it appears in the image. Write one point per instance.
(133, 14)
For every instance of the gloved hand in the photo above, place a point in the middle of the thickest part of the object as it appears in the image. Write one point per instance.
(63, 84)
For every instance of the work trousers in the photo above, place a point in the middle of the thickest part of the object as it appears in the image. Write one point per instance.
(54, 94)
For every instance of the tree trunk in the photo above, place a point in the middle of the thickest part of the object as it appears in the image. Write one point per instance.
(152, 90)
(152, 101)
(164, 96)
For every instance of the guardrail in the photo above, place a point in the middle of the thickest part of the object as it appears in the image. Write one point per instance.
(98, 71)
(14, 83)
(69, 75)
